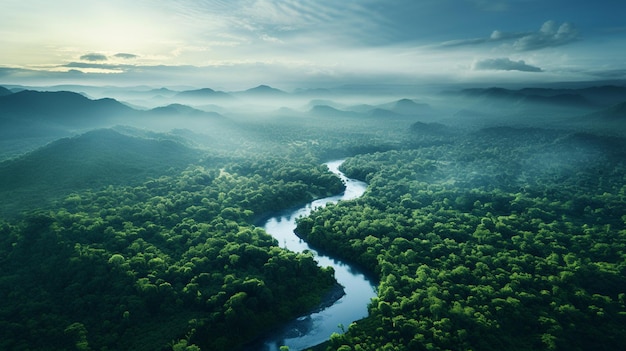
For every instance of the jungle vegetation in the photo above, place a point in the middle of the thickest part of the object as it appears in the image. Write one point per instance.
(483, 235)
(508, 238)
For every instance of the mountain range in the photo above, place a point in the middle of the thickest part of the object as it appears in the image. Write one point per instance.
(204, 94)
(398, 108)
(29, 119)
(589, 97)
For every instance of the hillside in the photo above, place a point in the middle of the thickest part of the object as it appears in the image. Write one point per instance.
(91, 160)
(181, 110)
(528, 97)
(408, 107)
(264, 91)
(63, 108)
(204, 93)
(4, 91)
(329, 111)
(615, 112)
(601, 95)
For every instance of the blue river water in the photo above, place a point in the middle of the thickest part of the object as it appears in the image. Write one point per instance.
(315, 328)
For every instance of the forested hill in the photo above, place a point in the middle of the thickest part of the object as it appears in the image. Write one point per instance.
(504, 239)
(169, 263)
(486, 233)
(63, 107)
(4, 91)
(584, 97)
(91, 160)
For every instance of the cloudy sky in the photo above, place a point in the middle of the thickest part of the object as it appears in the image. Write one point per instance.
(233, 44)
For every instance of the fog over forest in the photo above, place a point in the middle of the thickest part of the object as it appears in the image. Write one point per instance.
(263, 175)
(493, 217)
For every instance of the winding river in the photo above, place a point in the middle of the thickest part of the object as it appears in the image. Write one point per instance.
(315, 328)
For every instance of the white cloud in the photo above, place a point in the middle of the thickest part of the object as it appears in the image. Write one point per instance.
(299, 39)
(270, 38)
(548, 36)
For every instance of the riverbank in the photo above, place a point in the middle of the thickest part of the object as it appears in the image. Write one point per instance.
(300, 325)
(329, 299)
(349, 298)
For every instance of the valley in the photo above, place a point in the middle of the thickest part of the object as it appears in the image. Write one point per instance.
(493, 218)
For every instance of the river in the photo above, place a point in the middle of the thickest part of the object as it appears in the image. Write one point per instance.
(315, 328)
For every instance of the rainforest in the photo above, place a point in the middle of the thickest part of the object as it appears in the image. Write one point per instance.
(493, 218)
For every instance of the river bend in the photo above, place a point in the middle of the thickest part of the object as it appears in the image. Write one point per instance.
(315, 328)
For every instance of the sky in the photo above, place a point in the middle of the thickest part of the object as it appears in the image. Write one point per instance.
(237, 44)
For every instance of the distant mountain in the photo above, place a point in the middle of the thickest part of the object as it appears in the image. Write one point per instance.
(4, 91)
(403, 107)
(570, 100)
(91, 160)
(492, 93)
(63, 107)
(532, 96)
(204, 93)
(324, 102)
(328, 111)
(264, 90)
(615, 112)
(163, 92)
(407, 107)
(605, 95)
(181, 110)
(601, 95)
(325, 109)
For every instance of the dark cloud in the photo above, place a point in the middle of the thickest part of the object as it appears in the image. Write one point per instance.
(504, 64)
(548, 36)
(125, 56)
(93, 57)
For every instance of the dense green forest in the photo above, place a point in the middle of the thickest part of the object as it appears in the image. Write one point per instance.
(507, 238)
(483, 235)
(171, 262)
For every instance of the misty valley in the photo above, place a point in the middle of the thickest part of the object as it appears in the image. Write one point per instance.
(494, 218)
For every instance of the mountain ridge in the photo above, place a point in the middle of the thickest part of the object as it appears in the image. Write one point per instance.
(204, 93)
(264, 90)
(93, 159)
(60, 107)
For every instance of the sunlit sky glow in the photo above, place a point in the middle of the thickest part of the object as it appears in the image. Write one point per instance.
(243, 43)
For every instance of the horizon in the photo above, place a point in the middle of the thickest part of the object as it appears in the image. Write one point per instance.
(159, 160)
(233, 46)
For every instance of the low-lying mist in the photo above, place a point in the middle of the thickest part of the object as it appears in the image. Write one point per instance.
(147, 185)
